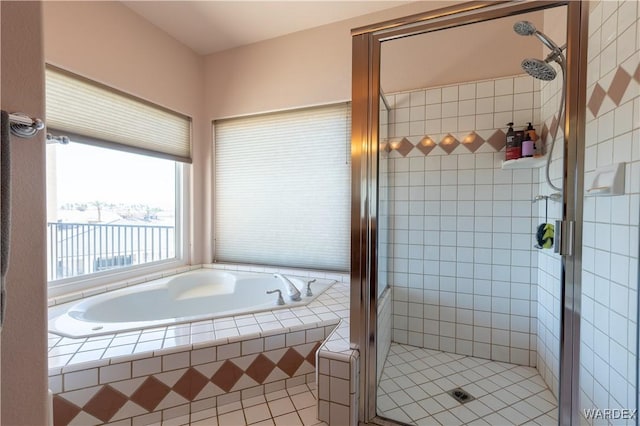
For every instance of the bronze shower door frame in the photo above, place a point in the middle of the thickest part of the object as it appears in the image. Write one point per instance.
(366, 51)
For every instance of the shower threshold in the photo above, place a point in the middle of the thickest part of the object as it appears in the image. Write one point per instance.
(415, 388)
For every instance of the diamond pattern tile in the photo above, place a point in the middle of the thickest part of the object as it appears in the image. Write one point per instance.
(497, 140)
(227, 376)
(64, 411)
(105, 403)
(618, 85)
(426, 145)
(150, 393)
(311, 357)
(260, 368)
(636, 75)
(472, 141)
(290, 362)
(595, 100)
(403, 146)
(449, 143)
(190, 384)
(125, 397)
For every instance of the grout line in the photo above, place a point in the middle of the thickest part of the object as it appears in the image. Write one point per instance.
(505, 368)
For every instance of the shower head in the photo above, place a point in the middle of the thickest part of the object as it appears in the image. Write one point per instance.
(526, 28)
(539, 69)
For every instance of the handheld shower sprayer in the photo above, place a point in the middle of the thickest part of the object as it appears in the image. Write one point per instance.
(526, 28)
(542, 70)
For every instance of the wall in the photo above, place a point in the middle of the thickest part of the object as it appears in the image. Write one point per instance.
(608, 330)
(109, 43)
(483, 50)
(184, 383)
(463, 265)
(24, 361)
(276, 74)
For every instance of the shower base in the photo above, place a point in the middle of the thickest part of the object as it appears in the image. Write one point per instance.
(416, 383)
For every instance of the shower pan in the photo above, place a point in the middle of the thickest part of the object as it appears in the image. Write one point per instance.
(462, 343)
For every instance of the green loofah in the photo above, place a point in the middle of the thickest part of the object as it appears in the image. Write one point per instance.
(544, 236)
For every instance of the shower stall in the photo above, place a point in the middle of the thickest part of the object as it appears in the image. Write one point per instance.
(459, 312)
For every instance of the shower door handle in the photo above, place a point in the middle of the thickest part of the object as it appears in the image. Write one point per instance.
(563, 239)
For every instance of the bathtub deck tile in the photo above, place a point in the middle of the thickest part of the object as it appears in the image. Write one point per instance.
(147, 347)
(69, 368)
(92, 357)
(270, 328)
(203, 337)
(147, 336)
(94, 345)
(172, 345)
(229, 332)
(310, 324)
(203, 345)
(248, 330)
(202, 327)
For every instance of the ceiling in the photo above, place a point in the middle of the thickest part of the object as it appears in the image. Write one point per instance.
(212, 26)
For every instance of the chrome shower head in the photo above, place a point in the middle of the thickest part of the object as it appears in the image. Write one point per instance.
(539, 69)
(526, 28)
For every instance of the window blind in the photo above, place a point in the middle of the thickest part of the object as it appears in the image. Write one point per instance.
(96, 114)
(282, 188)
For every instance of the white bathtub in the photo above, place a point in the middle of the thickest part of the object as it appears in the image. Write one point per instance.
(191, 296)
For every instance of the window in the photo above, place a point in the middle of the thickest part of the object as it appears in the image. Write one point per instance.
(114, 188)
(282, 188)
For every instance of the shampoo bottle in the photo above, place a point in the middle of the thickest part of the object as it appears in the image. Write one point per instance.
(511, 149)
(537, 147)
(527, 146)
(531, 132)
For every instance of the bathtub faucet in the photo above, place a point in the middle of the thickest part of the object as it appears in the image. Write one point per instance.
(292, 290)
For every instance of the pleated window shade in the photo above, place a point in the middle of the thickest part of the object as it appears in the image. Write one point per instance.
(282, 188)
(92, 113)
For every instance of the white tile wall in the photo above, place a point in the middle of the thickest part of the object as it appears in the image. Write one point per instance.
(608, 359)
(549, 264)
(463, 268)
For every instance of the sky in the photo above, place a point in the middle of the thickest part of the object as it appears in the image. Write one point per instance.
(86, 174)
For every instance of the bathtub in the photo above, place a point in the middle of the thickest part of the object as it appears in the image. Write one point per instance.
(191, 296)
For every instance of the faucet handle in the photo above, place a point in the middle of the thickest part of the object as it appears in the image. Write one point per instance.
(280, 299)
(309, 293)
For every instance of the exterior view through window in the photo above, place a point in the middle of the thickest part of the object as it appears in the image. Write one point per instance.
(108, 209)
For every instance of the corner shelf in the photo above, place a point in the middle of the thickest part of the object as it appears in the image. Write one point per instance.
(524, 163)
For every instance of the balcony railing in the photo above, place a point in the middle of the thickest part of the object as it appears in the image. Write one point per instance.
(83, 248)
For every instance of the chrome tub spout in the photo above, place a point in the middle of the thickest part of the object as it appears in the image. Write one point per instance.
(292, 290)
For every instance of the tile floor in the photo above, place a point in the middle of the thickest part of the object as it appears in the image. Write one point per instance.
(288, 407)
(414, 383)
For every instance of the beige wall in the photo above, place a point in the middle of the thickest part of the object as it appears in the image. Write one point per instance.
(305, 68)
(109, 43)
(314, 66)
(24, 362)
(481, 51)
